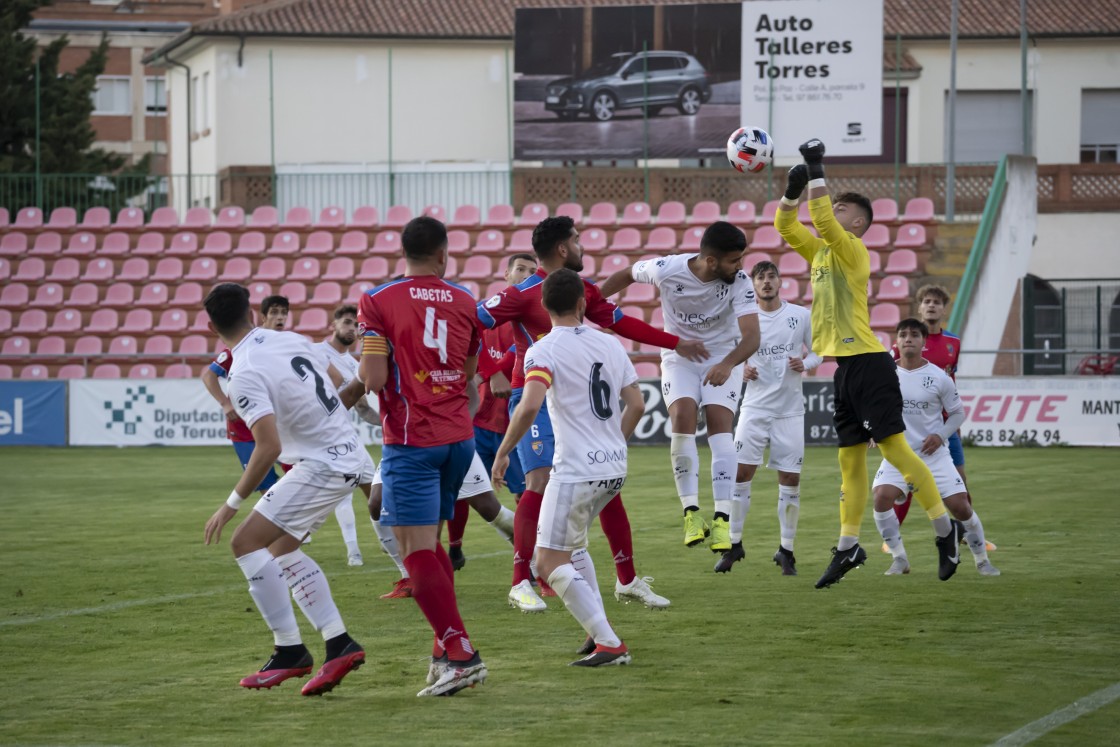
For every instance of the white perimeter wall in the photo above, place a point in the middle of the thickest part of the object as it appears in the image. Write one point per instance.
(1077, 245)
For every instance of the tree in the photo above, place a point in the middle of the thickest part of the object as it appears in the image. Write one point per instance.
(66, 135)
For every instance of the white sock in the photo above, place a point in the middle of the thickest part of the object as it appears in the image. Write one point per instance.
(585, 606)
(266, 586)
(974, 535)
(740, 507)
(503, 524)
(344, 512)
(942, 525)
(686, 472)
(389, 544)
(887, 523)
(789, 508)
(312, 593)
(846, 542)
(724, 465)
(581, 561)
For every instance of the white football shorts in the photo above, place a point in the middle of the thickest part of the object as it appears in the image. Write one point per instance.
(949, 482)
(568, 508)
(682, 378)
(308, 493)
(785, 436)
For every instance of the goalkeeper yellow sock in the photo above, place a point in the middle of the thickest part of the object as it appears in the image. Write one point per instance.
(896, 451)
(853, 490)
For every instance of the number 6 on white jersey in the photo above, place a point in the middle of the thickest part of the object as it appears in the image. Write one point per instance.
(435, 333)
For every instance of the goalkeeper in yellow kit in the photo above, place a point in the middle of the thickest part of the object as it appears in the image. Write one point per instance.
(868, 402)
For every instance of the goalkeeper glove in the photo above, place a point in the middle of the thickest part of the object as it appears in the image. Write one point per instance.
(796, 181)
(813, 153)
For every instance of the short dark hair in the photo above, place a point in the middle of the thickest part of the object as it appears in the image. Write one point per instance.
(855, 198)
(722, 238)
(764, 266)
(912, 323)
(422, 237)
(270, 301)
(549, 233)
(521, 255)
(561, 291)
(344, 309)
(227, 305)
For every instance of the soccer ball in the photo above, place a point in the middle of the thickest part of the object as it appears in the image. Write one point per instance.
(750, 149)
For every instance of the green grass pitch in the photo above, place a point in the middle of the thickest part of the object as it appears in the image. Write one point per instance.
(118, 627)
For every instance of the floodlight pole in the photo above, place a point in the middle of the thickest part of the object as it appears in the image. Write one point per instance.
(38, 130)
(1023, 90)
(645, 116)
(950, 170)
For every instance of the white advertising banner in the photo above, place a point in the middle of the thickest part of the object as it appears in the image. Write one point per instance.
(819, 64)
(1074, 410)
(173, 412)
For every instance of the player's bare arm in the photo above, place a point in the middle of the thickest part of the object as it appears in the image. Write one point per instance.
(633, 407)
(519, 422)
(373, 370)
(749, 337)
(264, 456)
(353, 396)
(470, 366)
(210, 381)
(618, 281)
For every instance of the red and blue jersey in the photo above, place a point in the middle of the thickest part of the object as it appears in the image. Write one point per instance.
(236, 430)
(498, 355)
(942, 349)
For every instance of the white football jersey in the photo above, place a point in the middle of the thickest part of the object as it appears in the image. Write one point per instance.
(345, 363)
(585, 371)
(282, 374)
(696, 310)
(783, 334)
(926, 392)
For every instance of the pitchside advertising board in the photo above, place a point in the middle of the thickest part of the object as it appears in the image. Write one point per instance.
(32, 413)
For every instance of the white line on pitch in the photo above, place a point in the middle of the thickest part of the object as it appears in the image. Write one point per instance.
(1049, 722)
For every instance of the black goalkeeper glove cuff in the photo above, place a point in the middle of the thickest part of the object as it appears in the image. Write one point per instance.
(816, 170)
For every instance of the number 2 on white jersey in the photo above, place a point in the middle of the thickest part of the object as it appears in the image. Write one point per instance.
(435, 333)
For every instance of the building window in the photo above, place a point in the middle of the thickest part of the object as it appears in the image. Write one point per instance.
(989, 125)
(1100, 126)
(202, 103)
(155, 97)
(205, 101)
(113, 95)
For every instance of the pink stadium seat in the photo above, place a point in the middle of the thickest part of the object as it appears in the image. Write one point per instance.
(791, 264)
(707, 212)
(364, 217)
(312, 321)
(877, 236)
(88, 345)
(490, 242)
(129, 219)
(6, 320)
(123, 345)
(399, 268)
(492, 289)
(183, 244)
(178, 371)
(16, 346)
(168, 270)
(439, 212)
(647, 370)
(521, 241)
(5, 218)
(65, 270)
(885, 210)
(237, 270)
(81, 244)
(671, 213)
(142, 371)
(295, 292)
(149, 244)
(159, 344)
(466, 216)
(637, 312)
(374, 269)
(918, 210)
(264, 216)
(353, 242)
(231, 216)
(198, 217)
(753, 259)
(119, 295)
(137, 321)
(572, 210)
(894, 288)
(106, 371)
(387, 242)
(103, 321)
(326, 294)
(532, 214)
(164, 217)
(99, 271)
(826, 370)
(66, 322)
(48, 295)
(458, 242)
(6, 371)
(790, 290)
(30, 271)
(499, 216)
(34, 372)
(639, 293)
(766, 238)
(636, 214)
(397, 217)
(690, 240)
(769, 210)
(202, 270)
(876, 262)
(901, 262)
(83, 296)
(284, 244)
(250, 244)
(339, 268)
(588, 270)
(96, 219)
(318, 243)
(189, 296)
(173, 321)
(218, 244)
(359, 289)
(201, 320)
(64, 218)
(14, 295)
(13, 244)
(47, 244)
(626, 240)
(71, 371)
(884, 316)
(194, 345)
(910, 236)
(593, 240)
(29, 218)
(884, 339)
(258, 292)
(603, 215)
(31, 322)
(471, 286)
(5, 269)
(477, 268)
(271, 269)
(305, 269)
(297, 217)
(331, 217)
(612, 263)
(662, 240)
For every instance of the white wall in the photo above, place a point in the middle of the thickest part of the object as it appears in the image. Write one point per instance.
(1077, 245)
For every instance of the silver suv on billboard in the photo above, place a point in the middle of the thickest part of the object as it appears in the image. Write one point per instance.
(630, 81)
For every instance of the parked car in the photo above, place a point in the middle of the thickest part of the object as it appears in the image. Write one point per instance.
(630, 81)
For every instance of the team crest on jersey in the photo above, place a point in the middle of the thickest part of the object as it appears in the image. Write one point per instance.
(820, 274)
(493, 301)
(928, 382)
(665, 388)
(223, 357)
(792, 322)
(538, 447)
(722, 291)
(361, 329)
(421, 376)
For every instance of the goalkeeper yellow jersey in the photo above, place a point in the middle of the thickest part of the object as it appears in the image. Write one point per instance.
(840, 271)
